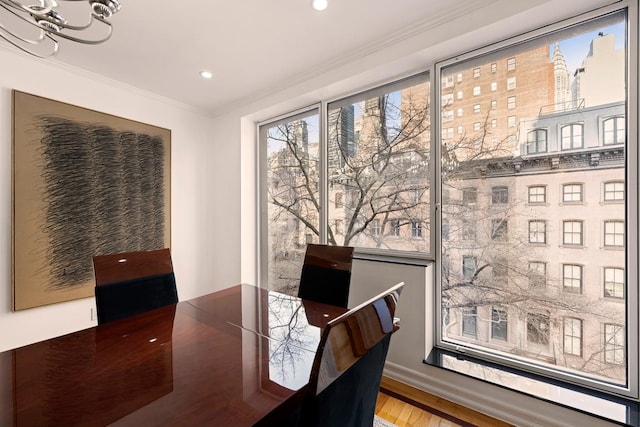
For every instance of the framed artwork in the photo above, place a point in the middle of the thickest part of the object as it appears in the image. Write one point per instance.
(85, 183)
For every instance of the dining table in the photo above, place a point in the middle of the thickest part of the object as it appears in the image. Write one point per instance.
(240, 356)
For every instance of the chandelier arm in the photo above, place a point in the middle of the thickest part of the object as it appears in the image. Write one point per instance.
(53, 52)
(48, 7)
(85, 41)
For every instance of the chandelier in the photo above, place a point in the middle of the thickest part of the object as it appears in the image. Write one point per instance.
(37, 28)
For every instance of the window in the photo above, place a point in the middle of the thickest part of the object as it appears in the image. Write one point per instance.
(537, 231)
(375, 227)
(537, 194)
(459, 95)
(614, 282)
(572, 193)
(338, 199)
(476, 108)
(613, 191)
(476, 72)
(394, 229)
(459, 77)
(571, 136)
(446, 229)
(499, 195)
(416, 229)
(538, 328)
(469, 321)
(572, 331)
(447, 100)
(614, 344)
(460, 130)
(499, 324)
(499, 229)
(494, 86)
(447, 81)
(537, 275)
(469, 196)
(447, 133)
(613, 131)
(476, 90)
(572, 233)
(460, 112)
(614, 233)
(560, 186)
(572, 278)
(447, 116)
(469, 265)
(537, 141)
(476, 127)
(494, 67)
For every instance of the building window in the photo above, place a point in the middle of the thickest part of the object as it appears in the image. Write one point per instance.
(375, 227)
(499, 322)
(447, 133)
(572, 331)
(511, 64)
(447, 81)
(613, 131)
(338, 199)
(494, 123)
(469, 321)
(394, 229)
(476, 108)
(499, 195)
(572, 233)
(459, 77)
(460, 130)
(469, 196)
(446, 229)
(476, 72)
(538, 328)
(499, 229)
(537, 275)
(511, 121)
(572, 278)
(469, 265)
(459, 111)
(494, 86)
(511, 102)
(476, 127)
(613, 191)
(338, 226)
(416, 229)
(537, 141)
(447, 100)
(614, 282)
(459, 94)
(476, 90)
(571, 136)
(537, 194)
(537, 231)
(614, 344)
(572, 193)
(511, 83)
(614, 233)
(494, 67)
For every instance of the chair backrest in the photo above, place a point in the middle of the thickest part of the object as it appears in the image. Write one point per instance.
(347, 370)
(326, 274)
(133, 282)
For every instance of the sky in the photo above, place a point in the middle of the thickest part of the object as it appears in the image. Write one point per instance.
(576, 49)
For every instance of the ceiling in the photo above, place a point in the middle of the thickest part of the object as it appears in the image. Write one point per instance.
(254, 48)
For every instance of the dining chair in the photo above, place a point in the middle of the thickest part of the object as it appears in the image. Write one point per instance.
(326, 274)
(347, 370)
(133, 282)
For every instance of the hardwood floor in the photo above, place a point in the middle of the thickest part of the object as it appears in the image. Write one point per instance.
(407, 406)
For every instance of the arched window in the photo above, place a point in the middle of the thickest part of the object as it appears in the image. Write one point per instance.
(537, 141)
(572, 136)
(613, 130)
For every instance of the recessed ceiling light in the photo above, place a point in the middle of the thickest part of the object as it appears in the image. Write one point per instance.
(206, 74)
(319, 4)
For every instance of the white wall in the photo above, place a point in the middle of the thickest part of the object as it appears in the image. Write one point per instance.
(200, 260)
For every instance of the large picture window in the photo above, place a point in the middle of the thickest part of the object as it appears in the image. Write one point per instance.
(557, 258)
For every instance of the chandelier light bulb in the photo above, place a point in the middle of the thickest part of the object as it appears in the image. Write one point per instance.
(319, 4)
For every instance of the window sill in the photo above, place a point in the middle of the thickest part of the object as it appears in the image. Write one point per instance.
(604, 406)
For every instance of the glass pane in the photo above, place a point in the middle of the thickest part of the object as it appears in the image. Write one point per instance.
(378, 160)
(292, 181)
(523, 174)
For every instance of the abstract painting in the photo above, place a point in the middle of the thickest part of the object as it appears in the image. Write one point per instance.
(85, 183)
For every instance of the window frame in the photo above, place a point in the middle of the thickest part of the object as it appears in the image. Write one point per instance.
(573, 138)
(544, 195)
(537, 233)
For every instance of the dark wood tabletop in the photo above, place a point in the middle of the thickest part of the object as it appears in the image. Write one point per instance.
(230, 358)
